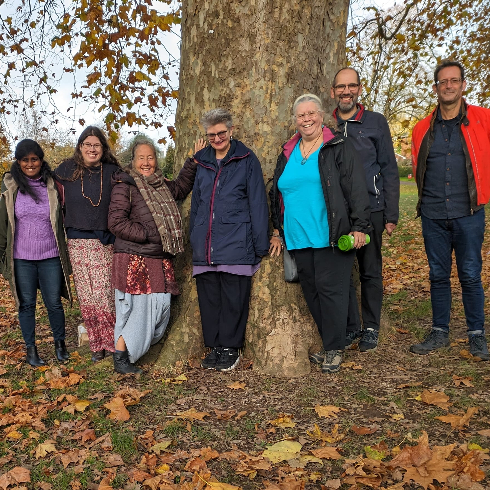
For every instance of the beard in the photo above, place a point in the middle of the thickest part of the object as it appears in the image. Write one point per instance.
(347, 105)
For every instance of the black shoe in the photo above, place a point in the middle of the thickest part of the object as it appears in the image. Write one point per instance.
(32, 357)
(369, 340)
(317, 357)
(209, 362)
(98, 355)
(122, 364)
(352, 339)
(437, 339)
(60, 350)
(228, 359)
(478, 346)
(332, 361)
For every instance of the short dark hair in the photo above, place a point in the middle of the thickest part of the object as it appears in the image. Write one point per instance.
(23, 149)
(346, 68)
(445, 64)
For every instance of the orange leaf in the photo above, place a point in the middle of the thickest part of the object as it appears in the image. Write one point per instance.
(459, 421)
(362, 431)
(118, 410)
(236, 386)
(326, 453)
(329, 411)
(436, 398)
(192, 414)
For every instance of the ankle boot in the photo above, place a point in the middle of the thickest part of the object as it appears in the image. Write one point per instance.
(122, 364)
(98, 356)
(60, 350)
(32, 357)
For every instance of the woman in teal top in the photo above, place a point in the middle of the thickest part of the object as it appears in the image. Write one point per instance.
(318, 194)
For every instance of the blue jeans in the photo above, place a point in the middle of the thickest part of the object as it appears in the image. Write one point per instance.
(46, 274)
(465, 237)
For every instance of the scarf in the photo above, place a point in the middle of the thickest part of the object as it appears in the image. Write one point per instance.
(163, 208)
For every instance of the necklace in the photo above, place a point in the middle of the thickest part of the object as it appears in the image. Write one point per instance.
(100, 196)
(305, 158)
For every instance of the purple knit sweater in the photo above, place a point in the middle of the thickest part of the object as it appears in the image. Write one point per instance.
(34, 237)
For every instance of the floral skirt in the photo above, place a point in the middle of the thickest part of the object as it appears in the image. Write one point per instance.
(92, 267)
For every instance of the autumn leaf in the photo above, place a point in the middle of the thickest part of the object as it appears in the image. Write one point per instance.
(352, 365)
(283, 421)
(459, 421)
(118, 410)
(207, 454)
(397, 416)
(64, 382)
(282, 451)
(326, 453)
(44, 448)
(212, 485)
(460, 380)
(437, 398)
(14, 476)
(237, 385)
(328, 411)
(485, 432)
(224, 414)
(161, 446)
(176, 381)
(131, 396)
(362, 431)
(192, 414)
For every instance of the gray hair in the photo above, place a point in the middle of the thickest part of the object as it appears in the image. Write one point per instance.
(217, 116)
(142, 142)
(307, 98)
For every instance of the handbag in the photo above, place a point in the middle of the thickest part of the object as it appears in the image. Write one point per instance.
(290, 269)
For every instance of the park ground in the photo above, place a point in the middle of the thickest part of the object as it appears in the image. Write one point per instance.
(388, 419)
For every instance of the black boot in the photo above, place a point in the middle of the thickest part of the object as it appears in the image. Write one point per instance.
(60, 350)
(32, 357)
(122, 364)
(98, 355)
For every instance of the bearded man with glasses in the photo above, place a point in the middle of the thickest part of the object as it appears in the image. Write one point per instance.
(452, 169)
(371, 137)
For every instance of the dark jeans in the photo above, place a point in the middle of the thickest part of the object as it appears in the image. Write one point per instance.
(371, 276)
(46, 274)
(324, 275)
(223, 302)
(465, 237)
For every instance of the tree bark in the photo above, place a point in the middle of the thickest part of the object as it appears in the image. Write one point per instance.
(254, 58)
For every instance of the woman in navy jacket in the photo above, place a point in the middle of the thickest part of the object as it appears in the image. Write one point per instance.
(228, 234)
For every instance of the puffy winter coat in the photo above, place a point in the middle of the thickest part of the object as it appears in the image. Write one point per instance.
(130, 219)
(343, 182)
(7, 233)
(229, 212)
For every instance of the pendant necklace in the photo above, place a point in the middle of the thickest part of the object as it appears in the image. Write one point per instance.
(305, 158)
(100, 196)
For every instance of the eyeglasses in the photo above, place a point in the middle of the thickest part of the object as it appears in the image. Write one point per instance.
(96, 146)
(310, 114)
(212, 136)
(351, 86)
(447, 81)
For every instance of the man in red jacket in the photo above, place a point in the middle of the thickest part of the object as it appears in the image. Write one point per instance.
(450, 151)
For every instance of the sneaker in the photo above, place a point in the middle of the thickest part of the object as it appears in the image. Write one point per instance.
(228, 359)
(317, 357)
(351, 339)
(369, 340)
(478, 346)
(435, 340)
(332, 361)
(209, 362)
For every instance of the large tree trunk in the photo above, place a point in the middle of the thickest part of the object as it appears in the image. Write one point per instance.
(254, 58)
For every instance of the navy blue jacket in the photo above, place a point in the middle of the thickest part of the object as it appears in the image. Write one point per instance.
(229, 212)
(372, 140)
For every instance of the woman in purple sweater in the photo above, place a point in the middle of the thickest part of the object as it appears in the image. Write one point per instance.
(33, 250)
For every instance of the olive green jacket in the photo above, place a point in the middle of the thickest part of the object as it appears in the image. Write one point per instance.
(7, 233)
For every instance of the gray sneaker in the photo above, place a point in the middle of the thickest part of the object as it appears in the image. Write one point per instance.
(317, 357)
(478, 346)
(332, 361)
(437, 339)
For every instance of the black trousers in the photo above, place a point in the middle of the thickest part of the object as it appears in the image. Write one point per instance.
(371, 275)
(324, 275)
(223, 301)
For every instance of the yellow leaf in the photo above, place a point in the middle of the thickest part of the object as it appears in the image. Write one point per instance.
(14, 435)
(329, 411)
(283, 421)
(397, 416)
(236, 386)
(162, 469)
(161, 446)
(282, 451)
(43, 449)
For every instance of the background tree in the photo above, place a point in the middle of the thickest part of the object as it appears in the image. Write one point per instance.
(5, 153)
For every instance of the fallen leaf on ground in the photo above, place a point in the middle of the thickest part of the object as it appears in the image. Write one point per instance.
(437, 398)
(459, 421)
(460, 380)
(207, 453)
(362, 431)
(237, 385)
(212, 485)
(283, 421)
(329, 411)
(161, 446)
(397, 416)
(332, 484)
(326, 453)
(485, 432)
(282, 451)
(15, 475)
(176, 381)
(118, 409)
(192, 414)
(224, 414)
(351, 365)
(131, 396)
(43, 449)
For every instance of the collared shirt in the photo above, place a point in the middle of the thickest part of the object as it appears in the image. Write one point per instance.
(445, 193)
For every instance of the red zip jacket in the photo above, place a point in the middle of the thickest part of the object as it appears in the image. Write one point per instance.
(475, 126)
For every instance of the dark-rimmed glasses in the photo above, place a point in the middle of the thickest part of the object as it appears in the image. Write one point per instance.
(447, 81)
(212, 136)
(351, 86)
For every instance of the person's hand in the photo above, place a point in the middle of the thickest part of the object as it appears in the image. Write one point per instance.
(389, 227)
(359, 239)
(199, 145)
(276, 246)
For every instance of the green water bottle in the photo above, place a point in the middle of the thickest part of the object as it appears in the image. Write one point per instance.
(346, 242)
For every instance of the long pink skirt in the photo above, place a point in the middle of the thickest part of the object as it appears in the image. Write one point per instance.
(92, 268)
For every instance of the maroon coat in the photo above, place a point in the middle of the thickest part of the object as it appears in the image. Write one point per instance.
(130, 218)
